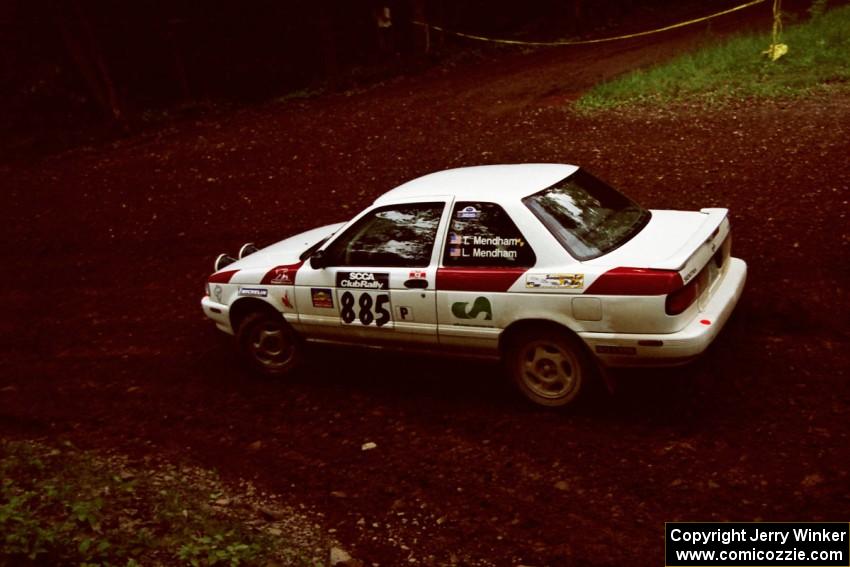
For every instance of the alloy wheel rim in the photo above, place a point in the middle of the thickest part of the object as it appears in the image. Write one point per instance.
(270, 346)
(550, 371)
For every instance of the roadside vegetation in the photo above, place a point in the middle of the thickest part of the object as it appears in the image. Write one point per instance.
(63, 506)
(818, 56)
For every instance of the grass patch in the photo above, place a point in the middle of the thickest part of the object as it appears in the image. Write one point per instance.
(63, 506)
(819, 55)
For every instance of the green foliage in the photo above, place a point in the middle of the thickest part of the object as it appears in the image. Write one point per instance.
(219, 549)
(70, 507)
(817, 59)
(817, 8)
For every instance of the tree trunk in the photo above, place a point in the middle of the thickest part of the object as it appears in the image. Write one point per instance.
(86, 55)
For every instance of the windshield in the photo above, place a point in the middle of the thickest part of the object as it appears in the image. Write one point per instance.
(588, 217)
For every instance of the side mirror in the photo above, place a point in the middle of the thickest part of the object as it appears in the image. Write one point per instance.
(318, 260)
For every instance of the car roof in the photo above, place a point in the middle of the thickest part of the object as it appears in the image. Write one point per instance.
(482, 182)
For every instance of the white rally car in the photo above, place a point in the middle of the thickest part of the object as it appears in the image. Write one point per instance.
(542, 265)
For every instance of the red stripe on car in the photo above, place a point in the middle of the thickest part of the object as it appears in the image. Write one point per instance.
(477, 279)
(636, 281)
(222, 277)
(281, 275)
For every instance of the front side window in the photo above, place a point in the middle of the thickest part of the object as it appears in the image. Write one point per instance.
(392, 236)
(482, 234)
(588, 217)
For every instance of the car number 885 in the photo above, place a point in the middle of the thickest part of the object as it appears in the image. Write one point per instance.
(365, 309)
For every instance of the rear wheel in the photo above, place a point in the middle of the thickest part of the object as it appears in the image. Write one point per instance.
(269, 344)
(548, 366)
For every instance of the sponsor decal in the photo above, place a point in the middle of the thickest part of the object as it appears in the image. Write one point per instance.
(417, 275)
(363, 280)
(563, 281)
(285, 300)
(281, 275)
(689, 275)
(462, 310)
(322, 297)
(404, 313)
(217, 293)
(468, 212)
(255, 291)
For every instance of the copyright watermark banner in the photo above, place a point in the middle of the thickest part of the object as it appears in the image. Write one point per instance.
(761, 544)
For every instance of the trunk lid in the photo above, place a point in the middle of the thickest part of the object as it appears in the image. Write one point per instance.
(684, 241)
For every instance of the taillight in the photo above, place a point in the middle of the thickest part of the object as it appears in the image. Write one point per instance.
(680, 300)
(636, 281)
(645, 281)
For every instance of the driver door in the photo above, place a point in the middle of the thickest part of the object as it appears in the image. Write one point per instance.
(377, 283)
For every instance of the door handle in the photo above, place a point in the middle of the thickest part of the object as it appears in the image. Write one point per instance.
(416, 284)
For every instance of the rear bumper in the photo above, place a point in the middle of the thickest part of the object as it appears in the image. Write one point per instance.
(220, 314)
(621, 349)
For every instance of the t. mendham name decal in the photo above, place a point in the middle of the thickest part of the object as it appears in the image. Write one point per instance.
(363, 280)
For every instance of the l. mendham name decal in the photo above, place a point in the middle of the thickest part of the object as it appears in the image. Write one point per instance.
(363, 280)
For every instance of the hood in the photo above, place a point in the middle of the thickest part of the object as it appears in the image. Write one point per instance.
(286, 251)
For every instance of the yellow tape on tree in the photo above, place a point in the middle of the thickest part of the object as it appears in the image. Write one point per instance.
(776, 50)
(590, 41)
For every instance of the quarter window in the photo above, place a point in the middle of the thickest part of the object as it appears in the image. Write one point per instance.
(393, 236)
(482, 234)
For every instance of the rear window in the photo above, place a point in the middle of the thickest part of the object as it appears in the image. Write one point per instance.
(588, 217)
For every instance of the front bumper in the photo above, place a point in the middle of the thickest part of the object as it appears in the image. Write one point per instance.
(621, 349)
(220, 314)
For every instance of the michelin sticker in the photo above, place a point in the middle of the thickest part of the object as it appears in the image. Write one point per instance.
(562, 281)
(363, 280)
(255, 291)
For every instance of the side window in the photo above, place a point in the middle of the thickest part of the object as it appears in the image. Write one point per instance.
(393, 236)
(482, 234)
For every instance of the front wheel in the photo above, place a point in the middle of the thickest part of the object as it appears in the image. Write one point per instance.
(269, 344)
(549, 367)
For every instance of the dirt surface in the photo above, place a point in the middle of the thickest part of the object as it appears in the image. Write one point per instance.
(104, 343)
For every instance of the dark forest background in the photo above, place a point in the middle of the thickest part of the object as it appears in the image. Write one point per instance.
(69, 62)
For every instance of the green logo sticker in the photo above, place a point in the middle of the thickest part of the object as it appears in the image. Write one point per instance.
(480, 305)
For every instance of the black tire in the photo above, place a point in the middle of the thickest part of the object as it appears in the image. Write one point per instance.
(550, 367)
(269, 345)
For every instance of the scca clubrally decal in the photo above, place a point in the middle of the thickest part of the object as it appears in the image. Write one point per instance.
(362, 280)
